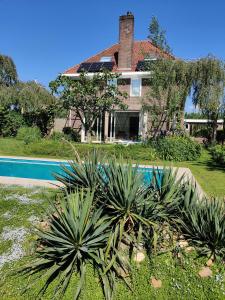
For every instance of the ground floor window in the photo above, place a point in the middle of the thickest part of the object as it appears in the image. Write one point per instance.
(124, 125)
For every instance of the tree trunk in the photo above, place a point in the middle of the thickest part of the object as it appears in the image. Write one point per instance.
(156, 130)
(214, 130)
(223, 130)
(181, 119)
(89, 136)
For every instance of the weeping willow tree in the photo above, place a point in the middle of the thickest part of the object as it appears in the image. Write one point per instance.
(26, 96)
(208, 89)
(28, 100)
(32, 102)
(169, 86)
(171, 81)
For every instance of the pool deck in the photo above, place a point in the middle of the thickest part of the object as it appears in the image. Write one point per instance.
(27, 182)
(35, 158)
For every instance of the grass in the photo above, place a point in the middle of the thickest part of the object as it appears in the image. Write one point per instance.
(209, 176)
(180, 279)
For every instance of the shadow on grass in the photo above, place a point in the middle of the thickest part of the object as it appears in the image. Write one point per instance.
(209, 165)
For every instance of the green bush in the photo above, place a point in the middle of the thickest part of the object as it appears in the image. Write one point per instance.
(139, 152)
(47, 147)
(12, 123)
(57, 136)
(71, 134)
(176, 148)
(220, 136)
(202, 131)
(29, 134)
(218, 154)
(43, 118)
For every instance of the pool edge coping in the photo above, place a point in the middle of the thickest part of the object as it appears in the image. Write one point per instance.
(28, 182)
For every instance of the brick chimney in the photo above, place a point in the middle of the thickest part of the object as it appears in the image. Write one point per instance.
(126, 38)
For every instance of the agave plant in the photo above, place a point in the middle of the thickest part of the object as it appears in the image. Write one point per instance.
(165, 194)
(77, 236)
(202, 222)
(124, 192)
(81, 174)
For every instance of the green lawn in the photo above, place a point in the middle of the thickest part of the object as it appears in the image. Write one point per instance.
(211, 178)
(180, 280)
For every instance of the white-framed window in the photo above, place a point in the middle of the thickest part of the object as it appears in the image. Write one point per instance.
(135, 87)
(105, 59)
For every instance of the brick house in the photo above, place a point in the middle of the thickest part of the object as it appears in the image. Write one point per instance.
(126, 58)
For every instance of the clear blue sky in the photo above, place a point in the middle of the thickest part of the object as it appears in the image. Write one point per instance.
(45, 37)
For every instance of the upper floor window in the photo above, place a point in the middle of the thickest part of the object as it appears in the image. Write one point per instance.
(135, 90)
(105, 59)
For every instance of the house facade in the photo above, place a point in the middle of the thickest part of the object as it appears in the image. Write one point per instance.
(126, 58)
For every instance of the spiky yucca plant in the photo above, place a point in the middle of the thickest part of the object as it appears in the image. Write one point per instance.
(81, 174)
(75, 238)
(123, 195)
(202, 222)
(164, 196)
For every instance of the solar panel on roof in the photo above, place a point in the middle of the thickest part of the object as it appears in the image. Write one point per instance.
(95, 66)
(108, 65)
(84, 67)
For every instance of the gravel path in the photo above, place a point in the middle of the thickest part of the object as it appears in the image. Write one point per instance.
(17, 236)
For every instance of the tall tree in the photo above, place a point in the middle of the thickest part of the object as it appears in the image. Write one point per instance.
(26, 96)
(89, 97)
(157, 35)
(33, 96)
(169, 86)
(209, 85)
(8, 73)
(32, 101)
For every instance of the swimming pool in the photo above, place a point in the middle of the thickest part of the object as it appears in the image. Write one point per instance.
(43, 169)
(29, 168)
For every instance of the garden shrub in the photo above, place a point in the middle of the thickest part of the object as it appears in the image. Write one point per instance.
(177, 148)
(72, 134)
(220, 136)
(47, 147)
(57, 136)
(139, 152)
(218, 154)
(29, 134)
(202, 131)
(43, 118)
(10, 122)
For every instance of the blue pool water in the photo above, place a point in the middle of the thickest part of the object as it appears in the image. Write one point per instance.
(42, 169)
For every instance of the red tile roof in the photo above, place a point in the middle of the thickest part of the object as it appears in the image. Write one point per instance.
(140, 49)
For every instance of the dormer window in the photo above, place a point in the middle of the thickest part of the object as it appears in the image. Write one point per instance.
(106, 59)
(150, 57)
